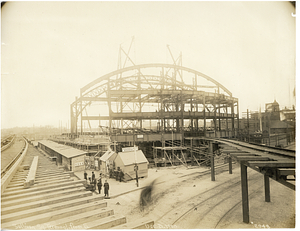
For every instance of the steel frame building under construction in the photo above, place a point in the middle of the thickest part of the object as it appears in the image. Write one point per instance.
(167, 98)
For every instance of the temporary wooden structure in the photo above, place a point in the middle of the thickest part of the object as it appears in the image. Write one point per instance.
(107, 160)
(127, 162)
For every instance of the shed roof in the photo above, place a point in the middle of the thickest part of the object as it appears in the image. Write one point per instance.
(64, 150)
(107, 155)
(128, 158)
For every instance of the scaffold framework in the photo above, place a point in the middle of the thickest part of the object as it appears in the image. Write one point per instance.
(155, 96)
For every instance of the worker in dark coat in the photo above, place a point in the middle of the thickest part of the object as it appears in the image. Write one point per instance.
(117, 175)
(121, 175)
(93, 176)
(99, 184)
(85, 175)
(106, 188)
(94, 184)
(90, 185)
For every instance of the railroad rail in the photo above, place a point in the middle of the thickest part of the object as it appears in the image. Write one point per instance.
(274, 150)
(275, 163)
(278, 164)
(7, 142)
(8, 172)
(9, 166)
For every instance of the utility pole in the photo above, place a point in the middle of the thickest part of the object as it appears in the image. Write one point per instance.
(136, 167)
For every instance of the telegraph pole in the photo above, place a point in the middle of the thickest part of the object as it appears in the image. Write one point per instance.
(136, 168)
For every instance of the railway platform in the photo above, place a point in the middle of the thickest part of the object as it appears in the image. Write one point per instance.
(56, 200)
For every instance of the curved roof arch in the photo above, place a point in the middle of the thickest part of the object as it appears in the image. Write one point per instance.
(151, 65)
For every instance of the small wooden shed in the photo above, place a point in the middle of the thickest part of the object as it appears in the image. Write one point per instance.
(127, 161)
(107, 160)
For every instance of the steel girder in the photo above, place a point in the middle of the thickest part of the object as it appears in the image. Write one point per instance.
(159, 84)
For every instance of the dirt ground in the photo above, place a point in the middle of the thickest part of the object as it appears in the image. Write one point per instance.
(187, 198)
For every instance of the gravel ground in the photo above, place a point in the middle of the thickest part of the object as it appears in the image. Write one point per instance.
(185, 198)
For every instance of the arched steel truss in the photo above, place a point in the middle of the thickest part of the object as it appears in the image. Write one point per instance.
(178, 93)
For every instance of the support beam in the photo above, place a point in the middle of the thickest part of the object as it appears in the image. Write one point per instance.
(215, 116)
(227, 132)
(212, 166)
(109, 106)
(230, 164)
(267, 188)
(232, 151)
(212, 161)
(32, 172)
(245, 198)
(232, 119)
(81, 130)
(204, 117)
(273, 164)
(238, 115)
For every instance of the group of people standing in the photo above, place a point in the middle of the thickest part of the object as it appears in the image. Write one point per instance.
(117, 174)
(93, 182)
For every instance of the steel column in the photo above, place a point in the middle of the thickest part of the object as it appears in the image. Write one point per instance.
(230, 164)
(238, 115)
(227, 132)
(267, 188)
(245, 199)
(212, 161)
(109, 105)
(232, 118)
(204, 115)
(81, 130)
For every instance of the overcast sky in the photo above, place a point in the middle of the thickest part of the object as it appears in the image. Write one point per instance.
(52, 49)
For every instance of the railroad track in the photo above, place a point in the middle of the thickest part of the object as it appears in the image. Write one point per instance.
(7, 142)
(258, 147)
(196, 203)
(210, 208)
(219, 201)
(6, 169)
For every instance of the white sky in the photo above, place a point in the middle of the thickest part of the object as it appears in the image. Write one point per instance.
(52, 49)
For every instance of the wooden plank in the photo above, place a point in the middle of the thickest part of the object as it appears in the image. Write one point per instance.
(273, 164)
(287, 184)
(235, 155)
(286, 171)
(252, 158)
(233, 151)
(32, 172)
